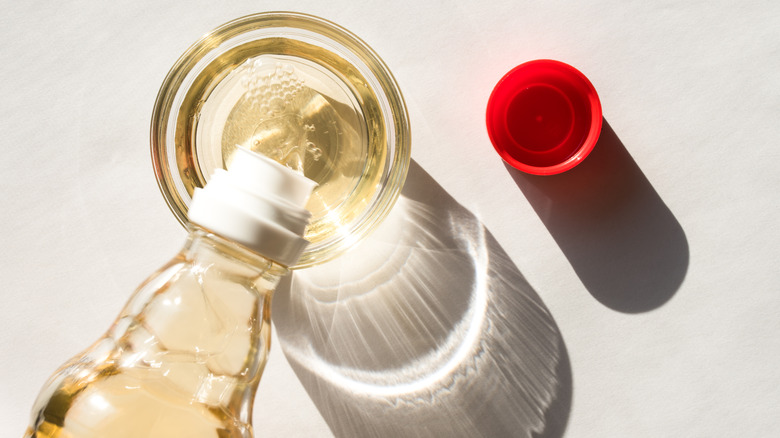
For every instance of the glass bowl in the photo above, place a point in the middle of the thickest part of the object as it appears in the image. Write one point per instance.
(305, 92)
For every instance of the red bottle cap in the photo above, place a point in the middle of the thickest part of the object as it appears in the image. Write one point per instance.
(544, 117)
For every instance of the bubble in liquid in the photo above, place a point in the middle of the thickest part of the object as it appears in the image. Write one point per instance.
(277, 94)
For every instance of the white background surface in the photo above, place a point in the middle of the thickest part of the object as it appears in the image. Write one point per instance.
(690, 89)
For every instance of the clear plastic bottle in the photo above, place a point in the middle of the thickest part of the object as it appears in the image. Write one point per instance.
(185, 356)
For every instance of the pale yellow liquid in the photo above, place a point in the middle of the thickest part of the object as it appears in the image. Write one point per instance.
(144, 411)
(303, 106)
(182, 360)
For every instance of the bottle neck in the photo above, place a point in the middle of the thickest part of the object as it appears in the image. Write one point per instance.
(205, 247)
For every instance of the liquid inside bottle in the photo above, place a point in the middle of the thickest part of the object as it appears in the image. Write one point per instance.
(183, 359)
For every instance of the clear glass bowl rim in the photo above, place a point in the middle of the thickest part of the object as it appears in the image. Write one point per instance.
(394, 174)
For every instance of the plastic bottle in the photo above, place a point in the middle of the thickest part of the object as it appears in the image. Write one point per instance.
(185, 356)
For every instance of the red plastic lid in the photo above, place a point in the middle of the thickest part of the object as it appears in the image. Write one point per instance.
(544, 117)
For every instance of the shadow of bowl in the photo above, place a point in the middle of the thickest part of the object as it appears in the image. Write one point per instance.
(426, 329)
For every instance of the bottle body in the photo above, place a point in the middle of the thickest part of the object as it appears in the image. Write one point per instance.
(183, 359)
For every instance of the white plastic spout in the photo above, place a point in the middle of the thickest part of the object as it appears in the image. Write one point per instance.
(257, 203)
(263, 175)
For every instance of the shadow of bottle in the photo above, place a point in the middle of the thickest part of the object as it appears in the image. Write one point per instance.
(621, 239)
(426, 329)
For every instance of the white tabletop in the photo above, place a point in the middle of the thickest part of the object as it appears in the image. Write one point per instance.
(634, 296)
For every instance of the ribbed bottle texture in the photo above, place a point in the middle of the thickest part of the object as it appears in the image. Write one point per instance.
(183, 359)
